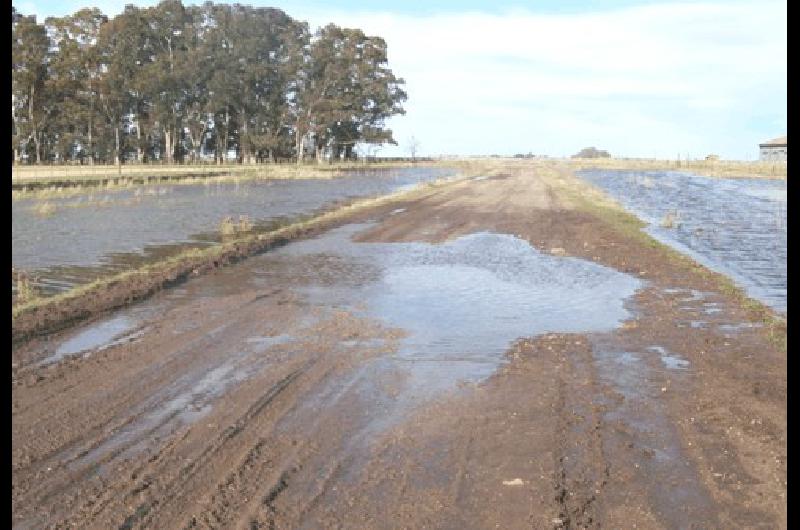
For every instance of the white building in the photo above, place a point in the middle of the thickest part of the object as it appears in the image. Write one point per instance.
(773, 150)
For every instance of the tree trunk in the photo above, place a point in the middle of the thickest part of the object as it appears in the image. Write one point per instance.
(299, 145)
(38, 143)
(199, 147)
(168, 144)
(138, 141)
(34, 135)
(116, 145)
(16, 126)
(91, 152)
(225, 139)
(318, 149)
(243, 147)
(216, 142)
(91, 125)
(193, 153)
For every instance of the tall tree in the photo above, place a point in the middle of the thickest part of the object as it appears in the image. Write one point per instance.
(262, 52)
(165, 82)
(124, 47)
(30, 104)
(75, 72)
(169, 80)
(221, 51)
(347, 91)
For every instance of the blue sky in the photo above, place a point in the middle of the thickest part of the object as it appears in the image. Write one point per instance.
(638, 78)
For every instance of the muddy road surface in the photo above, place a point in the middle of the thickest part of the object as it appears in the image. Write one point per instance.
(495, 354)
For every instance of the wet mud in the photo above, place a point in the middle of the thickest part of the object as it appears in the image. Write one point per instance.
(485, 356)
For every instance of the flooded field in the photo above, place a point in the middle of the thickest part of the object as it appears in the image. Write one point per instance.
(104, 231)
(734, 226)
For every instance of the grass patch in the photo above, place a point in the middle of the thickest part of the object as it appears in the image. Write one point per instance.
(229, 227)
(26, 291)
(774, 324)
(671, 219)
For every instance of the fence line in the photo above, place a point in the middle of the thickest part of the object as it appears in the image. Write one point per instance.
(57, 172)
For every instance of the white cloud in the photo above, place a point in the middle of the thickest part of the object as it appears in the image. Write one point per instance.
(656, 79)
(662, 79)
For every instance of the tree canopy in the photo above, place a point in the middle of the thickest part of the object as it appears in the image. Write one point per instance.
(211, 81)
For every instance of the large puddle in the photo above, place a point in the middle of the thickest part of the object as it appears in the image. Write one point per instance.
(734, 226)
(107, 231)
(461, 303)
(459, 306)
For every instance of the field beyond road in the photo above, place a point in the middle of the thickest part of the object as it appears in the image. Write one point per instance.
(607, 381)
(708, 168)
(41, 176)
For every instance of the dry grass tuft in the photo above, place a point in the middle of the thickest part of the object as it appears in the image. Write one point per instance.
(245, 224)
(26, 291)
(229, 227)
(44, 209)
(671, 220)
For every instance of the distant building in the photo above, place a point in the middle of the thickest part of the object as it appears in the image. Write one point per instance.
(773, 150)
(712, 158)
(591, 152)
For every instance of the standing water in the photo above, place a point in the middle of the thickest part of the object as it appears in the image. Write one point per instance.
(462, 302)
(108, 231)
(734, 226)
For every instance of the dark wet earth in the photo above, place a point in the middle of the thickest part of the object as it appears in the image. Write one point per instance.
(734, 226)
(459, 304)
(455, 309)
(106, 231)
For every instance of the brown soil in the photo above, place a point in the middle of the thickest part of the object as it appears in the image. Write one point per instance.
(557, 438)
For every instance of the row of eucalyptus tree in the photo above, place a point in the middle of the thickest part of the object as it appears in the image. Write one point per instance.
(177, 83)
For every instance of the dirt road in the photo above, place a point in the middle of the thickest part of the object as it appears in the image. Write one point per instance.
(501, 353)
